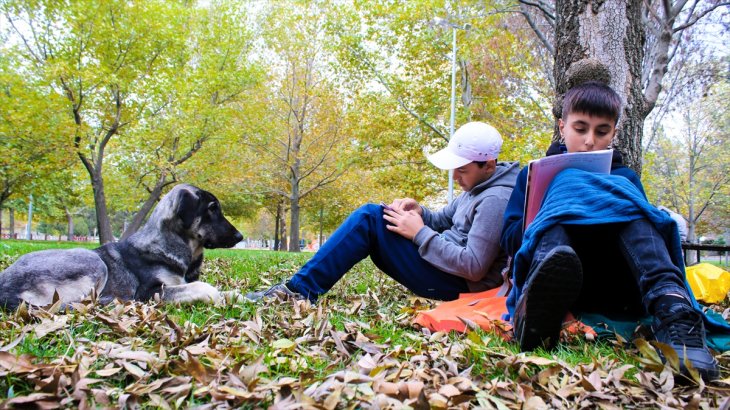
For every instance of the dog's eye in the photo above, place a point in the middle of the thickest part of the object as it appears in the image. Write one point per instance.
(213, 206)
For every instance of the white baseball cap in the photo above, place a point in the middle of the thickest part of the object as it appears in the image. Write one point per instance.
(473, 141)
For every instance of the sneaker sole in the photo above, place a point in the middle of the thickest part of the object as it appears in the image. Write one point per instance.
(555, 286)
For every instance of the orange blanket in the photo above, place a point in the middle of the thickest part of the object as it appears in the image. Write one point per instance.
(485, 310)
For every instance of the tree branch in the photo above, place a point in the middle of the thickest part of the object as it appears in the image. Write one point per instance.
(540, 6)
(540, 35)
(697, 17)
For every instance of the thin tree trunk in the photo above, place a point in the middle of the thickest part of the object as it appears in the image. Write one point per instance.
(294, 219)
(140, 216)
(692, 257)
(277, 242)
(103, 224)
(282, 230)
(70, 223)
(321, 223)
(11, 222)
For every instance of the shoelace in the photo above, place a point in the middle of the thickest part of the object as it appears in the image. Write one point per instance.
(684, 328)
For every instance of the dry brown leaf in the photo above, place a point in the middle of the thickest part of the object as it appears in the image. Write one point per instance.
(49, 325)
(333, 399)
(235, 392)
(136, 355)
(15, 342)
(17, 364)
(250, 374)
(106, 372)
(411, 389)
(157, 401)
(133, 369)
(197, 370)
(44, 401)
(384, 387)
(535, 403)
(448, 390)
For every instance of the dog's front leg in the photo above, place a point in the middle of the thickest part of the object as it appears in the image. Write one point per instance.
(191, 292)
(193, 272)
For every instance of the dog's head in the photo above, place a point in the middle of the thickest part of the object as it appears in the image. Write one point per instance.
(198, 215)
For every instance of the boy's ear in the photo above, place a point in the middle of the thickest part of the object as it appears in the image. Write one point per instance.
(491, 165)
(561, 124)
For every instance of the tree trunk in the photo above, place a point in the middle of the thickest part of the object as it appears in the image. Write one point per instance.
(692, 257)
(276, 227)
(70, 222)
(277, 242)
(282, 230)
(294, 198)
(609, 33)
(140, 216)
(321, 222)
(11, 222)
(294, 226)
(103, 224)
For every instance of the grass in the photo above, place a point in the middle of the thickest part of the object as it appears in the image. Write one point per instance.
(357, 347)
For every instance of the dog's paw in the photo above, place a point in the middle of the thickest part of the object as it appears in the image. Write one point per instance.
(232, 297)
(208, 293)
(193, 292)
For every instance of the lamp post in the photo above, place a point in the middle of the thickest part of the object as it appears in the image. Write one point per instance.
(453, 110)
(444, 22)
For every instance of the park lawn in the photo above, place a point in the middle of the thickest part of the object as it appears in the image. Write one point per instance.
(356, 348)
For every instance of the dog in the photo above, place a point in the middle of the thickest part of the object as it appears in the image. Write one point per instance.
(162, 260)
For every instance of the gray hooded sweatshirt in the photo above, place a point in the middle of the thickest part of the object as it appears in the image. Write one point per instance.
(463, 237)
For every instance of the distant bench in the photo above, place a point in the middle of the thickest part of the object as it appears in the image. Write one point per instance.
(723, 249)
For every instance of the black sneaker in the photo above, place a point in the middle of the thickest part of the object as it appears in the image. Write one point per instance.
(552, 287)
(680, 326)
(279, 291)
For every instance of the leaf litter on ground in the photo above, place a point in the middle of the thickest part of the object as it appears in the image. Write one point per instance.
(347, 351)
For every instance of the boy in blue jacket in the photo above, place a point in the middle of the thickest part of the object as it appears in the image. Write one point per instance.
(597, 245)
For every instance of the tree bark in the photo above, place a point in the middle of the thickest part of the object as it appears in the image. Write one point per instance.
(282, 231)
(152, 199)
(103, 224)
(294, 201)
(277, 241)
(11, 222)
(70, 224)
(610, 32)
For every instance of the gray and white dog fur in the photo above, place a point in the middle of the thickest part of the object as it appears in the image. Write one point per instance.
(163, 258)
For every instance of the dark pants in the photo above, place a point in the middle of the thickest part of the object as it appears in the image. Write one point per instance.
(364, 234)
(626, 266)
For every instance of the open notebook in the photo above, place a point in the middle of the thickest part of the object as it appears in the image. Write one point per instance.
(540, 173)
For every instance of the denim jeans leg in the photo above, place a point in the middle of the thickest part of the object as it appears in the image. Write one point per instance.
(364, 234)
(648, 257)
(555, 236)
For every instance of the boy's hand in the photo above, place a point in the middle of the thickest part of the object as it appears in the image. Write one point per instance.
(404, 223)
(407, 204)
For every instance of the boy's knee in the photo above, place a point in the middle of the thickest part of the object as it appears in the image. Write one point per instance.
(370, 209)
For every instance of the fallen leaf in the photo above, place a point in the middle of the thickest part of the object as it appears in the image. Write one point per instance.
(49, 326)
(108, 372)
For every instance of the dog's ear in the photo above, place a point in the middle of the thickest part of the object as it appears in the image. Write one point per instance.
(187, 208)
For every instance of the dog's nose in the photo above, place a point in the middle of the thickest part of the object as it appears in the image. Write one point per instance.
(238, 237)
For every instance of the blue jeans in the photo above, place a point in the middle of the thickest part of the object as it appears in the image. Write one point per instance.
(364, 234)
(626, 266)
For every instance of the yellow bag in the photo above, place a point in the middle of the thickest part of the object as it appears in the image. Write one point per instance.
(709, 283)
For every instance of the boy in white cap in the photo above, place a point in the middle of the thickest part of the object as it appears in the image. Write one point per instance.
(435, 254)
